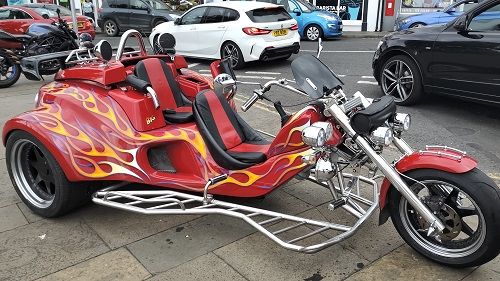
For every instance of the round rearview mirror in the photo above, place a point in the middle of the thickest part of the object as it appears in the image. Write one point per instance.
(166, 41)
(225, 85)
(103, 50)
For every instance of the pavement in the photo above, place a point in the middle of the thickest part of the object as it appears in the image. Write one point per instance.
(99, 243)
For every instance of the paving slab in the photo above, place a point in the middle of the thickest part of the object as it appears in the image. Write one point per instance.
(258, 258)
(8, 195)
(115, 265)
(11, 217)
(309, 192)
(118, 228)
(406, 264)
(208, 267)
(483, 274)
(44, 247)
(279, 201)
(176, 246)
(28, 214)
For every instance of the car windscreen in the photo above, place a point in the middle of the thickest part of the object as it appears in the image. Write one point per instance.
(268, 14)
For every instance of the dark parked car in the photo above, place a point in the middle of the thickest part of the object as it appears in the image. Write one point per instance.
(142, 15)
(461, 58)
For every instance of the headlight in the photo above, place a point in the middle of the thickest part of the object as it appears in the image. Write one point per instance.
(402, 122)
(382, 136)
(317, 134)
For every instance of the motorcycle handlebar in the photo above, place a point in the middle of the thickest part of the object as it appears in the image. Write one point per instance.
(250, 102)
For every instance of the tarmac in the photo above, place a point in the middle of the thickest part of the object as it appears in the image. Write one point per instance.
(99, 243)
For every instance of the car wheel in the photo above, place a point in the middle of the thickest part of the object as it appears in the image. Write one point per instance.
(232, 52)
(400, 77)
(39, 180)
(111, 28)
(313, 32)
(417, 25)
(158, 22)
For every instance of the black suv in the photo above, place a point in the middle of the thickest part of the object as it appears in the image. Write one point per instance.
(143, 15)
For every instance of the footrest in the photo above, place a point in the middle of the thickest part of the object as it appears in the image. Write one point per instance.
(279, 227)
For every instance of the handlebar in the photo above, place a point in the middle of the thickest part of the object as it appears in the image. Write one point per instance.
(250, 102)
(257, 94)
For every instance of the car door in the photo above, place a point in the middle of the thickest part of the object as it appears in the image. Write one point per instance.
(297, 15)
(213, 28)
(121, 13)
(140, 15)
(467, 63)
(5, 21)
(186, 32)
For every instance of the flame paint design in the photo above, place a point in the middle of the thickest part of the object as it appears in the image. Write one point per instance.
(111, 146)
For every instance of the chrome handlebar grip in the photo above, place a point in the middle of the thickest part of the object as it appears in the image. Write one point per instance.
(250, 102)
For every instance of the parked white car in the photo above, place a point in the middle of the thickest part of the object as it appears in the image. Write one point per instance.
(241, 31)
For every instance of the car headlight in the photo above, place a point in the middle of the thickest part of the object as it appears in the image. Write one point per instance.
(317, 134)
(402, 122)
(382, 136)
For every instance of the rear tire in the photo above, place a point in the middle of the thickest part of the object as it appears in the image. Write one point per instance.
(400, 77)
(111, 28)
(232, 51)
(468, 205)
(39, 180)
(9, 72)
(313, 32)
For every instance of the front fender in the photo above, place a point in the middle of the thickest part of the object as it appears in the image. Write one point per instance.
(443, 159)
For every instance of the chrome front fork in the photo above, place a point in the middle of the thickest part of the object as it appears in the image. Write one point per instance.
(390, 173)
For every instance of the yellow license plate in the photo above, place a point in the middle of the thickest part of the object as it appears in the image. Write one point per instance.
(280, 32)
(80, 25)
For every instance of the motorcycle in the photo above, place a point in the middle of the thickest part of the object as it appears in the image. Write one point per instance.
(40, 38)
(105, 127)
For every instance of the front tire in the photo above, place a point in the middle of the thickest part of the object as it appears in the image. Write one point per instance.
(468, 205)
(400, 77)
(111, 28)
(232, 52)
(9, 72)
(313, 32)
(39, 180)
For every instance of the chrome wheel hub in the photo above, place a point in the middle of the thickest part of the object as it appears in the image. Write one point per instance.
(312, 33)
(230, 52)
(397, 80)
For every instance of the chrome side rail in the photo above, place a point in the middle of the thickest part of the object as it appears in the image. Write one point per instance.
(274, 225)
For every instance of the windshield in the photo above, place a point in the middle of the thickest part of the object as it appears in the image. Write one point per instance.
(157, 5)
(314, 77)
(306, 6)
(50, 10)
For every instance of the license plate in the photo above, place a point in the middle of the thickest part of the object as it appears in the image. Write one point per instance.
(280, 32)
(80, 25)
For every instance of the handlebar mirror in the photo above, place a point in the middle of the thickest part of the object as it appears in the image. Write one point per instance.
(103, 50)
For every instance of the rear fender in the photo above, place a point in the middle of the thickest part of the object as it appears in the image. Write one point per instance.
(438, 158)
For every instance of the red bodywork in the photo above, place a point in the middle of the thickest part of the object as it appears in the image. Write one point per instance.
(99, 128)
(438, 159)
(20, 26)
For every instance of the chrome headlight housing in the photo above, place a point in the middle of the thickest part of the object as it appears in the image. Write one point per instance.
(402, 122)
(382, 136)
(317, 134)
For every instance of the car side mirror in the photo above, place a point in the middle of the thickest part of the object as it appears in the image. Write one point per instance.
(297, 11)
(450, 11)
(461, 24)
(177, 21)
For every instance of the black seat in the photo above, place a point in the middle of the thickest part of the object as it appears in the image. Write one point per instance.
(176, 107)
(232, 142)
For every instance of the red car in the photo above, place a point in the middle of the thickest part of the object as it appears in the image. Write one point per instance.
(16, 19)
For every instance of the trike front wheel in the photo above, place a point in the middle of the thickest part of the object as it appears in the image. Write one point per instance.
(468, 205)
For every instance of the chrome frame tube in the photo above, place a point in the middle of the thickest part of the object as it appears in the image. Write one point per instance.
(123, 40)
(391, 174)
(402, 146)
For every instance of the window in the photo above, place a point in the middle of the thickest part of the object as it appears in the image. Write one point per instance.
(122, 4)
(306, 7)
(157, 5)
(269, 15)
(194, 16)
(231, 15)
(4, 14)
(487, 21)
(138, 5)
(292, 6)
(214, 15)
(19, 15)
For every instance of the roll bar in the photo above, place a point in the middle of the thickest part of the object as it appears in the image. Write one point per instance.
(121, 47)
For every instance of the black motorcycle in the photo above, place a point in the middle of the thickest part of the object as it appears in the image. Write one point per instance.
(40, 39)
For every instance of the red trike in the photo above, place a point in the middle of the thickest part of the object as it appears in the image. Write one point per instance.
(119, 123)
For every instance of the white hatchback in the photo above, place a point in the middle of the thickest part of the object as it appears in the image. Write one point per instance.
(239, 30)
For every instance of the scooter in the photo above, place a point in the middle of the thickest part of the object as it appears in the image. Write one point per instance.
(106, 126)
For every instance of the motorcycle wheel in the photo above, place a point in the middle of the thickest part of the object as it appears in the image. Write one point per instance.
(468, 205)
(39, 180)
(9, 72)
